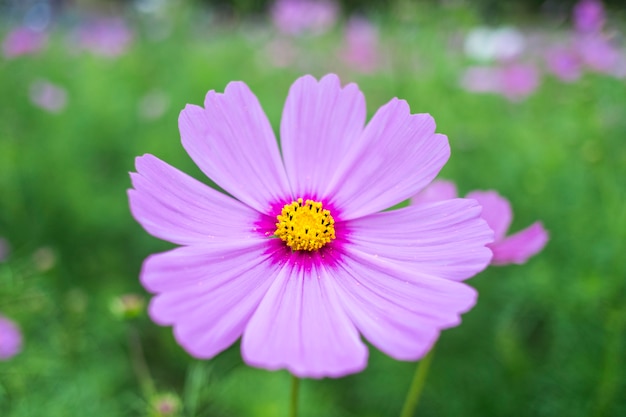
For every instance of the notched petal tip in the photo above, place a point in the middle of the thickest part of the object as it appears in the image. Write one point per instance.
(307, 78)
(330, 76)
(236, 87)
(330, 81)
(143, 160)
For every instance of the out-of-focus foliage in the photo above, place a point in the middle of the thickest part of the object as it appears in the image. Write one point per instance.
(545, 339)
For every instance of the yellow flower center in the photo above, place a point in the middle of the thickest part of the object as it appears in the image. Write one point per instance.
(305, 226)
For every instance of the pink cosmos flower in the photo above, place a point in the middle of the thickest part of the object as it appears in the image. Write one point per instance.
(564, 63)
(10, 339)
(589, 16)
(281, 52)
(591, 52)
(514, 249)
(107, 37)
(295, 17)
(22, 41)
(519, 81)
(48, 96)
(299, 259)
(598, 53)
(513, 81)
(361, 45)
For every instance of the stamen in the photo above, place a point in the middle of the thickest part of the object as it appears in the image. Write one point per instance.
(293, 226)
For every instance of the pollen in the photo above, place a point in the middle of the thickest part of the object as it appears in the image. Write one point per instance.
(305, 225)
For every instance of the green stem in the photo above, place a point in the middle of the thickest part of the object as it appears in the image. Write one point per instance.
(295, 389)
(139, 363)
(417, 385)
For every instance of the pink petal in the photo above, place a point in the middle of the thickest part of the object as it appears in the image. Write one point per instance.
(175, 207)
(445, 240)
(208, 293)
(10, 339)
(397, 155)
(199, 268)
(496, 211)
(437, 191)
(320, 121)
(301, 326)
(399, 313)
(518, 248)
(233, 143)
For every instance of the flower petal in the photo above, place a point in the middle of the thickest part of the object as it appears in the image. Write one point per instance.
(208, 293)
(10, 339)
(232, 142)
(397, 155)
(496, 211)
(175, 207)
(437, 191)
(320, 121)
(446, 239)
(518, 248)
(300, 325)
(400, 314)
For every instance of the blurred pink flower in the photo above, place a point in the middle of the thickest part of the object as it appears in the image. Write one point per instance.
(281, 52)
(598, 53)
(361, 45)
(481, 79)
(108, 37)
(48, 96)
(514, 249)
(514, 81)
(300, 259)
(589, 16)
(22, 41)
(518, 80)
(10, 339)
(295, 17)
(564, 63)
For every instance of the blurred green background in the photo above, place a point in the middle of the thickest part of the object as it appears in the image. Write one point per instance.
(545, 339)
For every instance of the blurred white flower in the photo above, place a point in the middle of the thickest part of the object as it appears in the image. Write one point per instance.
(153, 105)
(502, 44)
